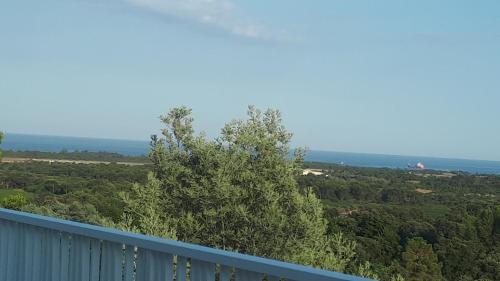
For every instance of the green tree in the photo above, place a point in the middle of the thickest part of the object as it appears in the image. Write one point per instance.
(15, 202)
(366, 270)
(75, 211)
(420, 261)
(238, 192)
(144, 210)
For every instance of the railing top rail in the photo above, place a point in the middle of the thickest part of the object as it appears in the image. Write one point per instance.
(242, 261)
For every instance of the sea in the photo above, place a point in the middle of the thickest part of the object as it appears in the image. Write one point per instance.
(24, 142)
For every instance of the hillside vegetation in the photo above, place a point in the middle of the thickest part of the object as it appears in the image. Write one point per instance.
(242, 192)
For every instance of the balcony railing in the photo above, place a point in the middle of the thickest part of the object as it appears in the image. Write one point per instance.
(38, 248)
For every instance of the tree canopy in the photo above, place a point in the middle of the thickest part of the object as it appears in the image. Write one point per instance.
(237, 192)
(420, 261)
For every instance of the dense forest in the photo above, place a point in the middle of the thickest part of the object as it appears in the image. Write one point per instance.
(387, 211)
(242, 192)
(380, 209)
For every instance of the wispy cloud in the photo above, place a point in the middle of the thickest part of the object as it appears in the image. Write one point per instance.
(220, 14)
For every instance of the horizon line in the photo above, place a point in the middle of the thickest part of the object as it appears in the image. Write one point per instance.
(294, 148)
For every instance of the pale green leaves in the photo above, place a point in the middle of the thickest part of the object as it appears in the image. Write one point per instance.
(237, 192)
(145, 211)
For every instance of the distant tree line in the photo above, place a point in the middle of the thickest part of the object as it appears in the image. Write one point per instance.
(77, 155)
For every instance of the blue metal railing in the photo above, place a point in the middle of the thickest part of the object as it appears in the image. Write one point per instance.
(39, 248)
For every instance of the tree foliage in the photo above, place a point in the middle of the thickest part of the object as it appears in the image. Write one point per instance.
(144, 213)
(238, 192)
(420, 261)
(15, 202)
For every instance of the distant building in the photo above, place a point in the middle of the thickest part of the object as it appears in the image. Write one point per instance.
(316, 172)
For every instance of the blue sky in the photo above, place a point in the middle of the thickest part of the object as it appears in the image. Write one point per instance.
(395, 77)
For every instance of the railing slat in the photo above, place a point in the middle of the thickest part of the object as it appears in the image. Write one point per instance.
(225, 273)
(5, 236)
(55, 256)
(167, 266)
(14, 254)
(244, 275)
(3, 248)
(95, 259)
(145, 268)
(18, 254)
(129, 263)
(202, 271)
(79, 258)
(37, 254)
(26, 264)
(111, 263)
(154, 266)
(65, 248)
(180, 270)
(44, 262)
(46, 253)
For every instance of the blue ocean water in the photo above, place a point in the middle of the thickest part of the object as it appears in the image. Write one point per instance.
(23, 142)
(136, 148)
(402, 162)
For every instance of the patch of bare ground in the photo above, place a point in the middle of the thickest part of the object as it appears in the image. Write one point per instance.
(348, 212)
(14, 160)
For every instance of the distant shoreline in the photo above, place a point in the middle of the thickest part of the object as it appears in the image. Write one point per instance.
(23, 160)
(135, 151)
